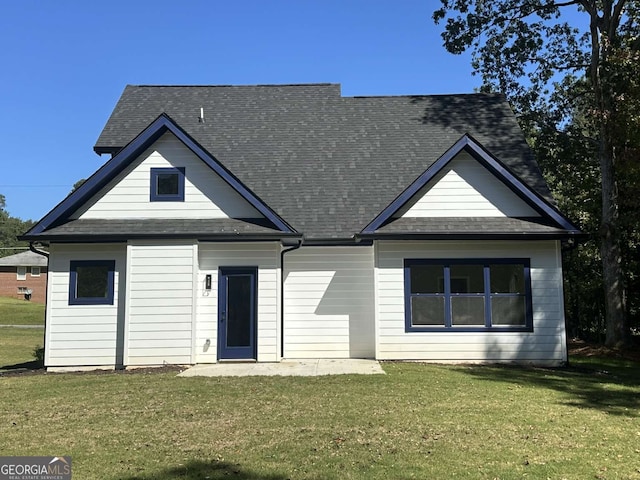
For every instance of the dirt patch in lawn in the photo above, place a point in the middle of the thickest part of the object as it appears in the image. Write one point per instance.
(580, 348)
(33, 368)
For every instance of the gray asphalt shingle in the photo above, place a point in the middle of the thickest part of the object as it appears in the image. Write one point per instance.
(157, 226)
(326, 164)
(470, 226)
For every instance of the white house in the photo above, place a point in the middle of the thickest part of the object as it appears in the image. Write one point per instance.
(287, 221)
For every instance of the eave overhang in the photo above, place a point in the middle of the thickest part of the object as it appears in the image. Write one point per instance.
(524, 236)
(468, 144)
(137, 146)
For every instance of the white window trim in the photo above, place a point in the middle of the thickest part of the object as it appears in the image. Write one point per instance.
(35, 269)
(21, 276)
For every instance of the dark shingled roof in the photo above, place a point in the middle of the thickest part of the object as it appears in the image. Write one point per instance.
(326, 164)
(462, 227)
(146, 228)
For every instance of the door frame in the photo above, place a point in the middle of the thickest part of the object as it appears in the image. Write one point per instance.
(242, 353)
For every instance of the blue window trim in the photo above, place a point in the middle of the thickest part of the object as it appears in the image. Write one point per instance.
(485, 262)
(155, 196)
(73, 282)
(476, 150)
(162, 124)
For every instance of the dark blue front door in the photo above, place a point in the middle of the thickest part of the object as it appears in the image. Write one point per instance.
(237, 312)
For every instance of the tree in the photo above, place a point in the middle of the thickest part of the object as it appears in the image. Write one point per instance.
(10, 228)
(77, 185)
(552, 72)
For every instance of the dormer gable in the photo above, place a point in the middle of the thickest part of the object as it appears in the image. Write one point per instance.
(111, 175)
(467, 178)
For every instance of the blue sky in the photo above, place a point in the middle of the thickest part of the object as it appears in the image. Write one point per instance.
(66, 62)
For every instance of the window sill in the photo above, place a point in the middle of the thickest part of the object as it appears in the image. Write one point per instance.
(523, 329)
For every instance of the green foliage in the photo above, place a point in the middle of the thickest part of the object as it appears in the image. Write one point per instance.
(10, 228)
(576, 91)
(77, 185)
(38, 354)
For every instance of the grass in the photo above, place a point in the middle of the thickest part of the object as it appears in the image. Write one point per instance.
(418, 421)
(17, 345)
(20, 312)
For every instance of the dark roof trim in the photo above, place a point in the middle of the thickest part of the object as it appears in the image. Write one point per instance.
(109, 150)
(115, 165)
(476, 150)
(472, 236)
(123, 238)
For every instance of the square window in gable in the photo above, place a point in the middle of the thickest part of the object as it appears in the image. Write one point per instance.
(167, 184)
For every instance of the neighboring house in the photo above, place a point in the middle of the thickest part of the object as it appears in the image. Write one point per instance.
(270, 222)
(24, 275)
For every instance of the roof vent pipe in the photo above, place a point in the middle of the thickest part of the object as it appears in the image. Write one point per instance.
(201, 117)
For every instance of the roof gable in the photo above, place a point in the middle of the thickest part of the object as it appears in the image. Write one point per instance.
(326, 163)
(205, 193)
(161, 125)
(465, 188)
(471, 146)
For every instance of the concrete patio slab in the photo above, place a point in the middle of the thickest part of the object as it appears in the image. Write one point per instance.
(301, 368)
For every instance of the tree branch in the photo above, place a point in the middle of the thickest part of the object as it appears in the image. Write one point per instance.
(615, 18)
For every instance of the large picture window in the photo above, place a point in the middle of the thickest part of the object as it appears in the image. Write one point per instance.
(91, 282)
(167, 184)
(468, 295)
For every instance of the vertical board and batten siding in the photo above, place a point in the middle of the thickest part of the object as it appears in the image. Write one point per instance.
(83, 335)
(329, 303)
(266, 257)
(465, 188)
(206, 194)
(546, 344)
(160, 303)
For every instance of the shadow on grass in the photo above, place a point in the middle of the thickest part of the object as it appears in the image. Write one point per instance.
(16, 367)
(212, 470)
(611, 386)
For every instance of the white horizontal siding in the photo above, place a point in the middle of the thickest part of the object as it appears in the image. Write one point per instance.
(545, 344)
(264, 256)
(206, 194)
(329, 303)
(82, 335)
(465, 188)
(160, 303)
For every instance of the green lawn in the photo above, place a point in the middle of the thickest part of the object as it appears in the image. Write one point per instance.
(418, 421)
(20, 312)
(17, 345)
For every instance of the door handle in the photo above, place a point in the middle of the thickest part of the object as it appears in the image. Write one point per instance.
(223, 316)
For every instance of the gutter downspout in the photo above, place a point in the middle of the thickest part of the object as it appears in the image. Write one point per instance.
(294, 247)
(35, 250)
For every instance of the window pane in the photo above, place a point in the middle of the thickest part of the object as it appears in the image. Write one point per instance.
(467, 279)
(508, 311)
(239, 310)
(21, 273)
(427, 279)
(427, 311)
(92, 281)
(167, 184)
(507, 278)
(467, 311)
